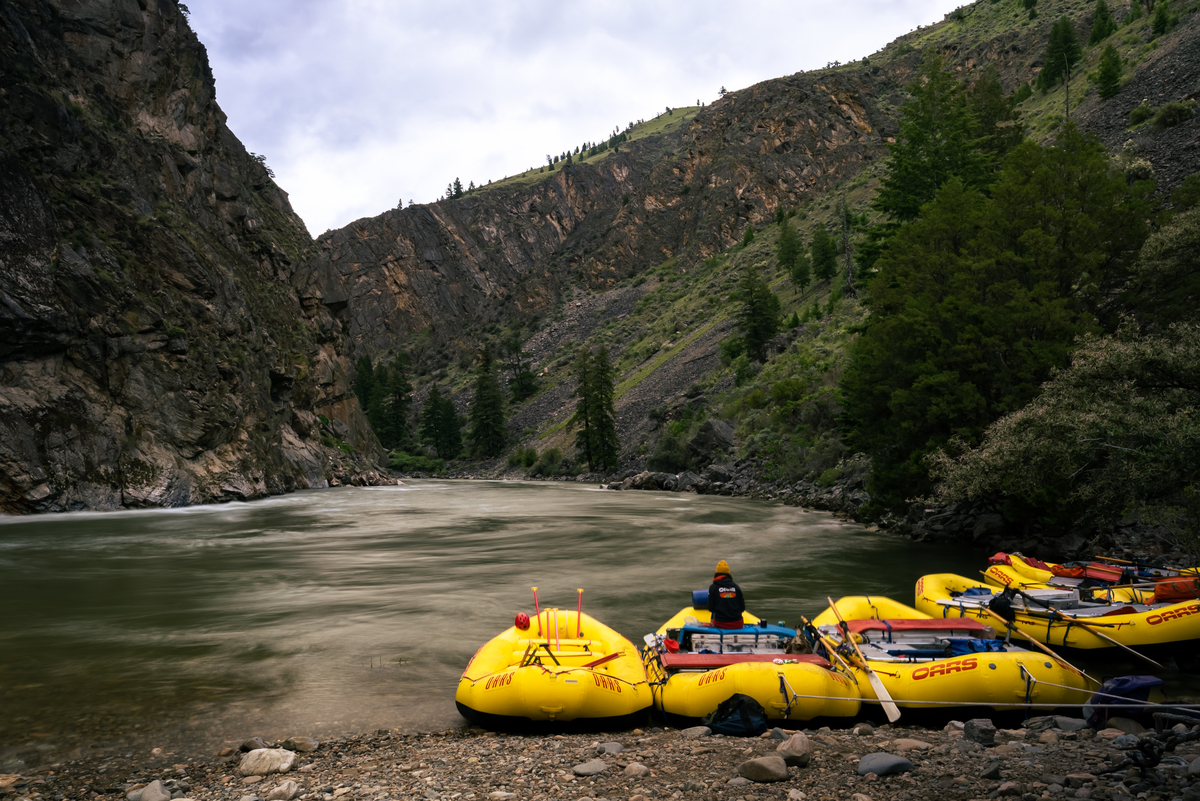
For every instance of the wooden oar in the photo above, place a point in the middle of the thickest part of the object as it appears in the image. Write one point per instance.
(885, 698)
(830, 646)
(1043, 646)
(1052, 612)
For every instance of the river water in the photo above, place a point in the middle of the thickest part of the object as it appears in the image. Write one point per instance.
(353, 609)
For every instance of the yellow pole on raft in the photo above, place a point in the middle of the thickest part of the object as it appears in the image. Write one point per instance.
(537, 611)
(1104, 636)
(1043, 646)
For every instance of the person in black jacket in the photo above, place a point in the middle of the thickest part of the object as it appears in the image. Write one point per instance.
(725, 599)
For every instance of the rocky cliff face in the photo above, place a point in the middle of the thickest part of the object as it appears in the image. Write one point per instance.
(152, 350)
(688, 193)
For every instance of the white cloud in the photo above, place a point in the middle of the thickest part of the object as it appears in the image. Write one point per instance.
(359, 103)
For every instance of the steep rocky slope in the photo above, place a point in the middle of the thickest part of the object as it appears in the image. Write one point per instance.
(152, 351)
(510, 250)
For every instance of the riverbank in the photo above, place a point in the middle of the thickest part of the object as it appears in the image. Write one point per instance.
(1048, 758)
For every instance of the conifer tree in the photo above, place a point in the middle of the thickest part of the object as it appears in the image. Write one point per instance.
(1103, 24)
(389, 403)
(824, 254)
(936, 141)
(522, 382)
(946, 131)
(441, 425)
(801, 272)
(1108, 76)
(583, 406)
(1160, 23)
(757, 314)
(1062, 54)
(787, 247)
(606, 447)
(489, 432)
(997, 127)
(749, 236)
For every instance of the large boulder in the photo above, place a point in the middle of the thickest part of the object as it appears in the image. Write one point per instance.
(713, 442)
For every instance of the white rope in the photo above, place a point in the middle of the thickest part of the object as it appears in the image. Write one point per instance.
(995, 703)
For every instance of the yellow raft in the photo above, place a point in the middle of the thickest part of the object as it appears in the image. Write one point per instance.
(1021, 574)
(713, 664)
(565, 667)
(1163, 629)
(911, 654)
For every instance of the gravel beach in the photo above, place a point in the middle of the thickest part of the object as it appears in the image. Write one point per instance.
(1049, 758)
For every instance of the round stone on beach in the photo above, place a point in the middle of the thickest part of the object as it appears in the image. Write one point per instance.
(265, 761)
(770, 768)
(301, 744)
(796, 750)
(882, 764)
(591, 768)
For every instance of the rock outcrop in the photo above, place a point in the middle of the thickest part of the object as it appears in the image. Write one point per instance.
(152, 349)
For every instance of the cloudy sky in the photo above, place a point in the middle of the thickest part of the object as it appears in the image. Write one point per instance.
(359, 104)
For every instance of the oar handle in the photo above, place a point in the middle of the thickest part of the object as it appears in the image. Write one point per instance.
(830, 646)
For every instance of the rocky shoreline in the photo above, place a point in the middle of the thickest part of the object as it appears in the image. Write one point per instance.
(1047, 759)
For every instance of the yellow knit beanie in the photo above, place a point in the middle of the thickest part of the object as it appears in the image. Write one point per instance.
(722, 566)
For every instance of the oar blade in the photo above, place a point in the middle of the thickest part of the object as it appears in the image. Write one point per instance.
(885, 699)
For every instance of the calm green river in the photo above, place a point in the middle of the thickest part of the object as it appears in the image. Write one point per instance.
(354, 609)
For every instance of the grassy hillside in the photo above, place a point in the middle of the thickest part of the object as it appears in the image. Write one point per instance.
(650, 129)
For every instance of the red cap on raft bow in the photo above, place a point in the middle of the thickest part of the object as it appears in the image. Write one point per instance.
(522, 621)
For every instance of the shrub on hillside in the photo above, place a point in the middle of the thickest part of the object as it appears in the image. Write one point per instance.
(670, 454)
(1173, 114)
(1187, 196)
(523, 457)
(410, 463)
(552, 463)
(1141, 113)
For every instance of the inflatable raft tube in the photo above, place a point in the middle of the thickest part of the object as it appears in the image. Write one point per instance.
(565, 667)
(1003, 680)
(1162, 629)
